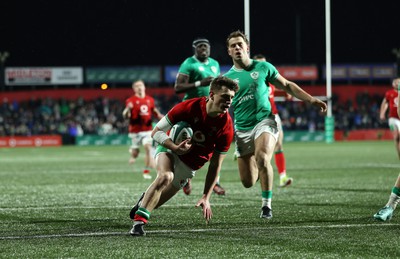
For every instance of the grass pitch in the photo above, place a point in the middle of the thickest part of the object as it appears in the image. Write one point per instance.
(73, 202)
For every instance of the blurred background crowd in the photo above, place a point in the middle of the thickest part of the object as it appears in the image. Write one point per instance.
(103, 116)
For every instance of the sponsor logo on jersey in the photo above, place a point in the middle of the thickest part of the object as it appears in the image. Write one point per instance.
(246, 98)
(144, 110)
(254, 75)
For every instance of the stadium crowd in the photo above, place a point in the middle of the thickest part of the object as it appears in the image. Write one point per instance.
(103, 116)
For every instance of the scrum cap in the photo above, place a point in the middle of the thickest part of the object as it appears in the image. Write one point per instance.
(200, 40)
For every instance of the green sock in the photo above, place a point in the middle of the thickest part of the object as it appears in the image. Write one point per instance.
(396, 190)
(143, 212)
(266, 194)
(266, 198)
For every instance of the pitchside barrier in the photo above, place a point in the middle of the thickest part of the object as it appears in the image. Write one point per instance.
(89, 140)
(97, 140)
(31, 141)
(290, 136)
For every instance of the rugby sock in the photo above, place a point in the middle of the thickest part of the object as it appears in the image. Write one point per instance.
(280, 162)
(142, 215)
(146, 170)
(394, 198)
(396, 190)
(266, 198)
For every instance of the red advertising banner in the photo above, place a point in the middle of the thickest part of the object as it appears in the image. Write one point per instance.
(368, 134)
(34, 141)
(43, 75)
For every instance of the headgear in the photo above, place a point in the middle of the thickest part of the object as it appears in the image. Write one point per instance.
(200, 40)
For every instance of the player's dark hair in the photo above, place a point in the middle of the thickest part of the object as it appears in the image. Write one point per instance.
(259, 56)
(236, 34)
(138, 80)
(220, 81)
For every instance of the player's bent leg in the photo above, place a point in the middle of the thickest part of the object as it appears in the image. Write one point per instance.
(187, 189)
(153, 198)
(218, 189)
(248, 170)
(167, 194)
(164, 178)
(157, 188)
(264, 149)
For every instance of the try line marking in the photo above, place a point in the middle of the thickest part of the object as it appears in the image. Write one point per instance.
(194, 231)
(106, 207)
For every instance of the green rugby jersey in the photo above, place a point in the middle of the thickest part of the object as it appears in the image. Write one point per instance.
(251, 104)
(196, 71)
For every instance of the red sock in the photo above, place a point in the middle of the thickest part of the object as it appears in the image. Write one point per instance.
(280, 162)
(140, 218)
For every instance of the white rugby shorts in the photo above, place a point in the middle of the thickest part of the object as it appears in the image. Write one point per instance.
(244, 140)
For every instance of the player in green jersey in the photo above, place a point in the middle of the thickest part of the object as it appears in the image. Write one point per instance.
(196, 72)
(256, 130)
(194, 77)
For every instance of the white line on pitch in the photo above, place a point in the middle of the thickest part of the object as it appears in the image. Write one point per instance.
(106, 207)
(196, 230)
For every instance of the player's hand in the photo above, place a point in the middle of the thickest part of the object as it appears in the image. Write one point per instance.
(206, 81)
(320, 104)
(184, 147)
(205, 205)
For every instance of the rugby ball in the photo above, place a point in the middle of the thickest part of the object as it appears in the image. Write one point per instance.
(180, 131)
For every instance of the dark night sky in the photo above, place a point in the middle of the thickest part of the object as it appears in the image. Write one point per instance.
(150, 32)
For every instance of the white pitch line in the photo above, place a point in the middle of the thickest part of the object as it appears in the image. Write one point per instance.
(106, 207)
(197, 230)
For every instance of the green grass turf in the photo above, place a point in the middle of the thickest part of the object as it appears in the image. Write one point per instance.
(73, 202)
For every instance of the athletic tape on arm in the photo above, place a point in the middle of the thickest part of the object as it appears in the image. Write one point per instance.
(160, 137)
(163, 125)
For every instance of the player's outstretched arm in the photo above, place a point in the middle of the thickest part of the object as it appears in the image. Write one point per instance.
(211, 179)
(295, 90)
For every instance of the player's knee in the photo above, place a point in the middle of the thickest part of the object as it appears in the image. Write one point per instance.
(134, 152)
(263, 161)
(164, 178)
(247, 184)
